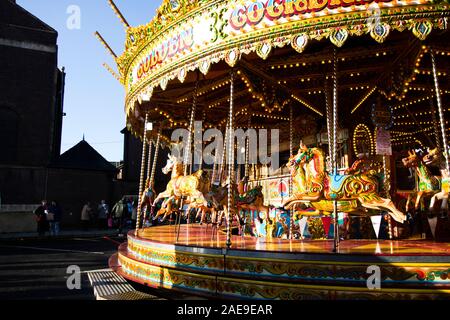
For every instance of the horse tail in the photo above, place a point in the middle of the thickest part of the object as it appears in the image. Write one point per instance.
(199, 174)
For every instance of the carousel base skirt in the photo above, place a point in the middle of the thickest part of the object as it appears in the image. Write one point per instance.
(256, 268)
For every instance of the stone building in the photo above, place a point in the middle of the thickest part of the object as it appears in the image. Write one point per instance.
(31, 104)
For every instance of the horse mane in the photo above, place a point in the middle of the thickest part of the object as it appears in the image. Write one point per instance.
(178, 168)
(321, 157)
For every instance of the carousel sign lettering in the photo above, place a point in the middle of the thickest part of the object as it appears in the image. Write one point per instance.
(254, 12)
(168, 48)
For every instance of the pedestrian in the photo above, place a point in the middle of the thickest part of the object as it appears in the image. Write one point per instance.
(119, 213)
(134, 215)
(103, 213)
(51, 218)
(56, 212)
(41, 218)
(86, 214)
(129, 220)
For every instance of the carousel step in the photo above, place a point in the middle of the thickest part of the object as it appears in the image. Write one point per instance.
(108, 285)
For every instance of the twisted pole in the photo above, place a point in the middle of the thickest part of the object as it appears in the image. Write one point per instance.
(187, 153)
(247, 148)
(230, 159)
(224, 150)
(291, 151)
(330, 131)
(141, 180)
(155, 159)
(440, 110)
(149, 163)
(334, 158)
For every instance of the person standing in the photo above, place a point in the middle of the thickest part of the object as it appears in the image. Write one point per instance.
(54, 218)
(86, 214)
(41, 218)
(134, 214)
(119, 211)
(103, 213)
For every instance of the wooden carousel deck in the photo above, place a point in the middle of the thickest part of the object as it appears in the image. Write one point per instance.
(282, 269)
(207, 237)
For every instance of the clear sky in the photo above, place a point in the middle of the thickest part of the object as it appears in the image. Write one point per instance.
(94, 99)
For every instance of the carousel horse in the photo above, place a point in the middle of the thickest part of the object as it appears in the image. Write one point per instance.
(313, 186)
(429, 185)
(191, 188)
(252, 200)
(435, 157)
(203, 210)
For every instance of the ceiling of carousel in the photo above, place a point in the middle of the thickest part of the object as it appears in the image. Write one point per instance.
(395, 76)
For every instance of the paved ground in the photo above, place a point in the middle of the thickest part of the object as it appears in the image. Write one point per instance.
(62, 234)
(34, 268)
(37, 269)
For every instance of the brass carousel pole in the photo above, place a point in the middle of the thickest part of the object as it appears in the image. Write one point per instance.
(224, 150)
(441, 112)
(141, 180)
(149, 163)
(187, 152)
(149, 169)
(155, 160)
(335, 130)
(387, 189)
(291, 152)
(230, 160)
(247, 149)
(213, 175)
(329, 111)
(155, 157)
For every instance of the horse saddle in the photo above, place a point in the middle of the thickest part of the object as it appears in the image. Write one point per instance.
(336, 182)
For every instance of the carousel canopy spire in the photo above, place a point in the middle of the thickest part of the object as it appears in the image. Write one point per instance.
(119, 14)
(110, 70)
(105, 44)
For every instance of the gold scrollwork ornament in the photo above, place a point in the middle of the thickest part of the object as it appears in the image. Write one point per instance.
(379, 32)
(263, 50)
(339, 36)
(299, 42)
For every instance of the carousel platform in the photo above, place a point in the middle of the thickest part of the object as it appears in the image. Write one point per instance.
(258, 268)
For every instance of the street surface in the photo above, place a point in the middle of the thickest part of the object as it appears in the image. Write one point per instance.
(37, 269)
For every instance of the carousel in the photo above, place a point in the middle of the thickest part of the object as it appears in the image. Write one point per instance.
(352, 99)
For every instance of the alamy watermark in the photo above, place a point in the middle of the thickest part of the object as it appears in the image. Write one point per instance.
(73, 21)
(260, 150)
(74, 280)
(374, 280)
(375, 15)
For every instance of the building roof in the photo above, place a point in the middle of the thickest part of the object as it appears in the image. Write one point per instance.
(83, 156)
(19, 24)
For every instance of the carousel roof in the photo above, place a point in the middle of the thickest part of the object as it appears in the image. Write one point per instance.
(383, 68)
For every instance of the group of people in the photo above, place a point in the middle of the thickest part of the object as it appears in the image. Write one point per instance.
(123, 214)
(91, 217)
(48, 218)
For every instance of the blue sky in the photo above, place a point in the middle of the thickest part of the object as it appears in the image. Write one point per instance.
(94, 100)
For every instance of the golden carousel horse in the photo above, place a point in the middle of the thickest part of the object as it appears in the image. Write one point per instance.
(312, 185)
(191, 188)
(429, 185)
(435, 157)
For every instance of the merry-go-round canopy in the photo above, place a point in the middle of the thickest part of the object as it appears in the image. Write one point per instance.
(283, 55)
